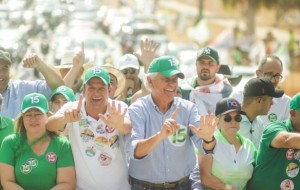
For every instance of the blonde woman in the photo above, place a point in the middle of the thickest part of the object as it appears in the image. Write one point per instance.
(231, 164)
(34, 158)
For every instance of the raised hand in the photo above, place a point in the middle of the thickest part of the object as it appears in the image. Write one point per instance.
(73, 114)
(170, 125)
(147, 52)
(32, 60)
(78, 59)
(207, 127)
(115, 116)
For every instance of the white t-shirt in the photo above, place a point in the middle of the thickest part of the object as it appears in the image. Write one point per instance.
(98, 151)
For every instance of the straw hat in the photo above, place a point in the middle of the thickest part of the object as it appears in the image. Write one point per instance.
(120, 77)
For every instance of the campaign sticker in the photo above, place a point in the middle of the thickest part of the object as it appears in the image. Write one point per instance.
(100, 129)
(104, 159)
(51, 157)
(113, 141)
(179, 138)
(25, 168)
(287, 185)
(87, 135)
(101, 141)
(289, 154)
(297, 155)
(272, 117)
(109, 129)
(32, 162)
(292, 170)
(90, 151)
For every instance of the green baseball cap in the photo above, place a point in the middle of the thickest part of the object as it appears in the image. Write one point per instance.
(65, 91)
(166, 66)
(35, 100)
(97, 72)
(209, 52)
(295, 102)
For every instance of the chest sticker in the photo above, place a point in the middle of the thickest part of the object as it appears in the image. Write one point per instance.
(51, 157)
(90, 151)
(29, 165)
(289, 154)
(101, 141)
(292, 170)
(100, 129)
(287, 185)
(109, 129)
(104, 159)
(272, 117)
(87, 135)
(179, 138)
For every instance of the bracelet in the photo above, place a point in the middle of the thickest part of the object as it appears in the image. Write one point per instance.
(228, 187)
(212, 140)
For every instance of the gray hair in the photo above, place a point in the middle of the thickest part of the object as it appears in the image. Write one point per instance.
(145, 81)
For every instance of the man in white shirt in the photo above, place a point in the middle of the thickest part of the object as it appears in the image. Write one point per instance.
(271, 68)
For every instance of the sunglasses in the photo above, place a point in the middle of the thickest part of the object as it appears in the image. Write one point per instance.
(228, 118)
(130, 70)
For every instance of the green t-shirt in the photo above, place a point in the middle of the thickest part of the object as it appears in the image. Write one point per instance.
(6, 127)
(34, 172)
(276, 168)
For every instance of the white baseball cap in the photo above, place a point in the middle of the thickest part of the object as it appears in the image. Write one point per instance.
(128, 61)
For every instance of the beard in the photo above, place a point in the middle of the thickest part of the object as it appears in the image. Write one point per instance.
(204, 76)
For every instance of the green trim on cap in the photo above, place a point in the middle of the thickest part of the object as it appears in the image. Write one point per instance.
(65, 91)
(166, 66)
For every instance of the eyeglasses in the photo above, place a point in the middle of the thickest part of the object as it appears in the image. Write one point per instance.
(270, 76)
(130, 70)
(228, 118)
(33, 116)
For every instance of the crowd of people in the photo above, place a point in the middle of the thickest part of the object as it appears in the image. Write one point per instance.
(86, 126)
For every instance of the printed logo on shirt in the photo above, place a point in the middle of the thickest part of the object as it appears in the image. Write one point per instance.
(272, 117)
(87, 135)
(289, 154)
(113, 141)
(100, 129)
(51, 157)
(297, 155)
(179, 138)
(292, 170)
(29, 165)
(104, 159)
(90, 151)
(287, 184)
(109, 129)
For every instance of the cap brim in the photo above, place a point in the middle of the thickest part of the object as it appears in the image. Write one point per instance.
(170, 73)
(278, 93)
(208, 57)
(234, 80)
(41, 109)
(228, 111)
(129, 66)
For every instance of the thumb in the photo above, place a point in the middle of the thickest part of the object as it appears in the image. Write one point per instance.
(174, 114)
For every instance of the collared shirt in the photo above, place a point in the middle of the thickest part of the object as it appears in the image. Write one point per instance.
(15, 93)
(231, 166)
(252, 131)
(279, 111)
(174, 157)
(98, 151)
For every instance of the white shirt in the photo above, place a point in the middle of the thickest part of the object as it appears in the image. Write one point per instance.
(98, 152)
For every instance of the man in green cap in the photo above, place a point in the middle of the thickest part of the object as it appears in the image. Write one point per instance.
(277, 163)
(96, 125)
(208, 87)
(161, 146)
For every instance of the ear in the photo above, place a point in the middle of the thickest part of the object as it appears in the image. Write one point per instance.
(292, 113)
(218, 67)
(257, 72)
(149, 80)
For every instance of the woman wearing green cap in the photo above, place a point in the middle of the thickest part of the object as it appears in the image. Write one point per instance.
(34, 158)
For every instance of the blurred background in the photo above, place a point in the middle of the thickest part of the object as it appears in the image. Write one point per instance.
(242, 31)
